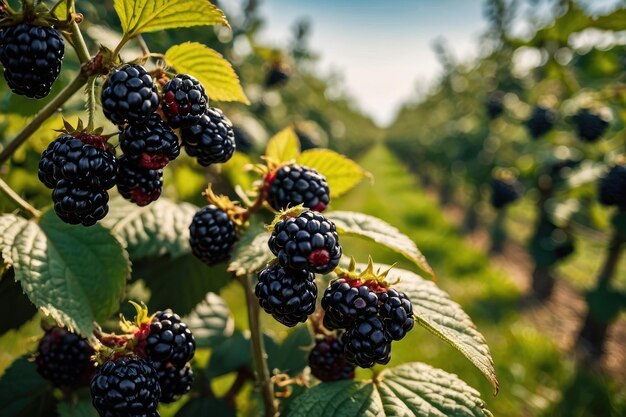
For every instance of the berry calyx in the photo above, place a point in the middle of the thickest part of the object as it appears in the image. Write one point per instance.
(184, 101)
(328, 361)
(292, 185)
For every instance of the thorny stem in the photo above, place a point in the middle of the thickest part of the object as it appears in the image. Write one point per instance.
(259, 356)
(23, 204)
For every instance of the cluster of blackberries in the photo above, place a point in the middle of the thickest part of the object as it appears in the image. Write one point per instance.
(304, 244)
(292, 185)
(80, 168)
(31, 57)
(590, 125)
(504, 192)
(372, 316)
(612, 187)
(133, 386)
(328, 361)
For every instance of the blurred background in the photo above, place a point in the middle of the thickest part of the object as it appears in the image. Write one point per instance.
(487, 126)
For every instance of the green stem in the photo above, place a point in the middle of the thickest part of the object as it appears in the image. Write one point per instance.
(79, 44)
(120, 45)
(23, 204)
(91, 102)
(259, 356)
(43, 115)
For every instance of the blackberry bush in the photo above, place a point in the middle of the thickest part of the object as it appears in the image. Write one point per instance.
(211, 140)
(292, 185)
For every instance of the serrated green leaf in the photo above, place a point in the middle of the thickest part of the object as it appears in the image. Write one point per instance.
(251, 253)
(141, 16)
(283, 146)
(372, 228)
(206, 407)
(161, 228)
(443, 317)
(80, 409)
(211, 321)
(214, 72)
(230, 355)
(73, 273)
(292, 354)
(342, 173)
(411, 390)
(24, 393)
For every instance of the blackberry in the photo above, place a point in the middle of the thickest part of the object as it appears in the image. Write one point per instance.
(212, 235)
(170, 341)
(292, 185)
(612, 187)
(307, 241)
(139, 185)
(541, 121)
(174, 381)
(244, 142)
(345, 301)
(495, 104)
(590, 126)
(328, 361)
(127, 387)
(64, 358)
(69, 158)
(396, 312)
(129, 95)
(151, 144)
(211, 140)
(504, 192)
(183, 101)
(367, 342)
(32, 58)
(76, 204)
(288, 295)
(276, 77)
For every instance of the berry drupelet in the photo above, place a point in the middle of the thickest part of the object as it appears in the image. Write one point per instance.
(212, 235)
(292, 185)
(211, 140)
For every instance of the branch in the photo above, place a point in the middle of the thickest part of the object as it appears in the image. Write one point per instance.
(23, 204)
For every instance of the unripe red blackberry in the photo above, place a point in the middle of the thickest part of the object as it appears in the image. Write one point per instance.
(183, 101)
(169, 340)
(31, 57)
(64, 358)
(345, 301)
(367, 342)
(396, 312)
(129, 95)
(126, 387)
(288, 295)
(590, 125)
(211, 140)
(141, 186)
(212, 235)
(151, 144)
(76, 204)
(328, 361)
(292, 185)
(307, 241)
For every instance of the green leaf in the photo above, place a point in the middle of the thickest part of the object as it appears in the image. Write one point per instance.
(211, 321)
(237, 172)
(342, 173)
(443, 317)
(206, 407)
(158, 229)
(283, 146)
(214, 72)
(230, 355)
(141, 16)
(412, 389)
(292, 354)
(73, 273)
(15, 307)
(16, 343)
(24, 393)
(82, 408)
(251, 253)
(372, 228)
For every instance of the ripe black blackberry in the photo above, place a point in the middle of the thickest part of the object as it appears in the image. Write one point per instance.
(541, 121)
(64, 358)
(292, 185)
(590, 126)
(129, 95)
(139, 185)
(77, 204)
(307, 241)
(328, 361)
(212, 235)
(169, 341)
(367, 342)
(495, 104)
(127, 387)
(183, 101)
(288, 295)
(277, 77)
(32, 58)
(396, 312)
(174, 381)
(151, 144)
(345, 301)
(89, 165)
(504, 192)
(211, 140)
(612, 187)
